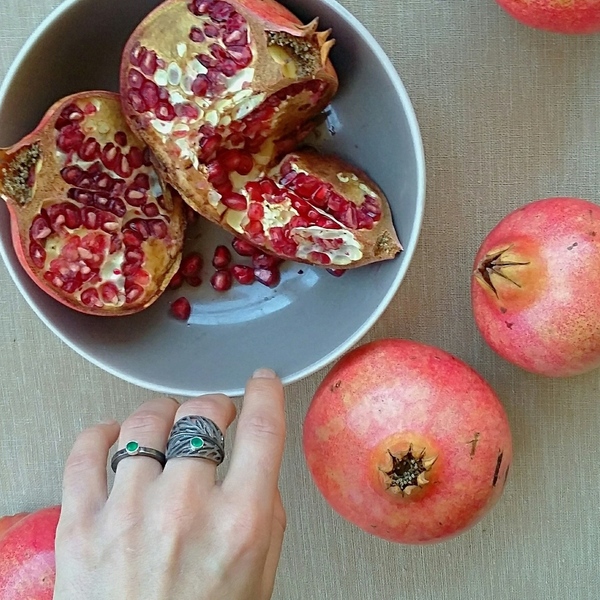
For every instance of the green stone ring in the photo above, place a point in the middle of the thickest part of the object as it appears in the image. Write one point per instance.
(194, 436)
(133, 448)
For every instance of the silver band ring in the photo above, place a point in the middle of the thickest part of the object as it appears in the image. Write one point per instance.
(133, 448)
(196, 437)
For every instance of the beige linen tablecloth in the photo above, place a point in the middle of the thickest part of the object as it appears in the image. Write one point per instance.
(508, 115)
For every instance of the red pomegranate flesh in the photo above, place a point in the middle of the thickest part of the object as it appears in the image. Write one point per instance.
(407, 442)
(91, 222)
(222, 99)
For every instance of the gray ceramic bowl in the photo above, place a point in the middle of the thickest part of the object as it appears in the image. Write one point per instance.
(311, 318)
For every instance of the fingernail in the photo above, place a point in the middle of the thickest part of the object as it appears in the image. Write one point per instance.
(264, 374)
(174, 399)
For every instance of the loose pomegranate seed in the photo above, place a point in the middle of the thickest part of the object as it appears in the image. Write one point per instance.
(234, 201)
(221, 281)
(176, 281)
(244, 248)
(181, 308)
(336, 272)
(268, 277)
(191, 264)
(221, 258)
(194, 280)
(243, 274)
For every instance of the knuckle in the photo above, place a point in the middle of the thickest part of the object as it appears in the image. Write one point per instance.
(246, 533)
(264, 426)
(144, 421)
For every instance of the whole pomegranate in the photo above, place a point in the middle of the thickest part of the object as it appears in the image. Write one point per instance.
(407, 442)
(27, 560)
(536, 287)
(222, 101)
(574, 16)
(91, 222)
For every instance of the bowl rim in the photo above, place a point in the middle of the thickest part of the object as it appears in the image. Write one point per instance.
(408, 250)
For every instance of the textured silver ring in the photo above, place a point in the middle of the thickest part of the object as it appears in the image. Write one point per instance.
(133, 448)
(196, 437)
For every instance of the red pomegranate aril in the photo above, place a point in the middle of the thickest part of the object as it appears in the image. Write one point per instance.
(217, 175)
(197, 35)
(165, 111)
(319, 258)
(133, 293)
(305, 186)
(243, 274)
(109, 292)
(242, 55)
(151, 210)
(320, 196)
(122, 167)
(336, 272)
(181, 309)
(228, 67)
(221, 280)
(149, 93)
(269, 187)
(254, 191)
(349, 216)
(336, 203)
(135, 197)
(254, 229)
(40, 228)
(70, 114)
(364, 220)
(89, 150)
(142, 181)
(90, 297)
(191, 264)
(121, 138)
(246, 164)
(243, 247)
(211, 31)
(72, 175)
(326, 223)
(265, 261)
(135, 157)
(110, 155)
(176, 281)
(148, 63)
(136, 101)
(158, 228)
(234, 201)
(221, 257)
(220, 11)
(298, 222)
(70, 139)
(37, 254)
(268, 277)
(256, 211)
(132, 238)
(194, 280)
(135, 79)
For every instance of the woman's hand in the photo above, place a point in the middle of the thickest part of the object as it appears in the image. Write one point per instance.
(175, 533)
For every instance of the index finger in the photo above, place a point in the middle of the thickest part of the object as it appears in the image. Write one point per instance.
(259, 439)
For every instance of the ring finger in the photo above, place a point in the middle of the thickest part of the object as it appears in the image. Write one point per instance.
(219, 409)
(149, 426)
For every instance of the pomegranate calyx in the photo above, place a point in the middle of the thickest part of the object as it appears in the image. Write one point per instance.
(493, 264)
(15, 173)
(406, 472)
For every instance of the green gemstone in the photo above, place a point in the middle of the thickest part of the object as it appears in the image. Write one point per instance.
(132, 447)
(196, 443)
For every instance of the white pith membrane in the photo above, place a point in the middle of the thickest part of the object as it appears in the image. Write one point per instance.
(198, 104)
(105, 235)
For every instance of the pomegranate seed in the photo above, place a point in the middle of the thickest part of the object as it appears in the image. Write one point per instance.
(37, 254)
(140, 226)
(254, 229)
(254, 191)
(336, 272)
(109, 292)
(89, 150)
(208, 61)
(364, 220)
(246, 164)
(242, 55)
(135, 196)
(136, 101)
(244, 248)
(90, 297)
(194, 280)
(268, 277)
(220, 11)
(326, 223)
(298, 222)
(181, 309)
(176, 281)
(132, 238)
(269, 187)
(40, 228)
(197, 35)
(191, 264)
(265, 261)
(228, 67)
(121, 138)
(217, 175)
(122, 167)
(319, 257)
(243, 274)
(133, 293)
(110, 156)
(256, 211)
(72, 175)
(70, 139)
(135, 79)
(69, 114)
(148, 63)
(336, 203)
(305, 185)
(221, 258)
(320, 196)
(134, 56)
(165, 111)
(151, 210)
(158, 228)
(349, 217)
(234, 201)
(149, 93)
(221, 281)
(209, 145)
(73, 216)
(211, 31)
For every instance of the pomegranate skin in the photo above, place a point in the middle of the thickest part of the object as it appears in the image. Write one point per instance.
(542, 312)
(27, 559)
(575, 17)
(391, 396)
(9, 521)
